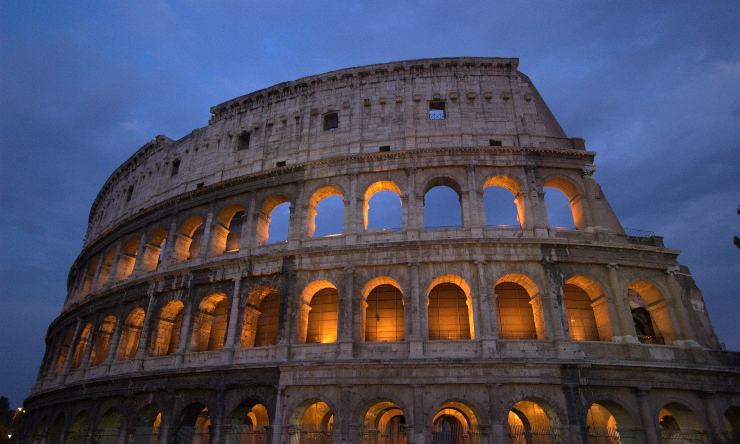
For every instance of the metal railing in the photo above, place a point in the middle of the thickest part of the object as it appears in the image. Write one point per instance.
(603, 435)
(389, 437)
(684, 437)
(521, 435)
(636, 232)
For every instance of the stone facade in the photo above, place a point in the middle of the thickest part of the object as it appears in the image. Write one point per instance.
(185, 322)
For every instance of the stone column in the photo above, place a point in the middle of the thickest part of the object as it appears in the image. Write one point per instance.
(476, 215)
(169, 245)
(114, 342)
(624, 331)
(249, 233)
(414, 215)
(553, 308)
(649, 423)
(186, 326)
(420, 426)
(712, 417)
(71, 350)
(346, 301)
(149, 318)
(249, 327)
(98, 268)
(489, 323)
(205, 241)
(139, 256)
(345, 415)
(85, 363)
(113, 273)
(416, 338)
(218, 419)
(233, 316)
(351, 213)
(534, 202)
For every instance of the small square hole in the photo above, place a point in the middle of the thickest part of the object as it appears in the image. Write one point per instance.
(331, 121)
(437, 110)
(280, 164)
(384, 148)
(243, 140)
(494, 142)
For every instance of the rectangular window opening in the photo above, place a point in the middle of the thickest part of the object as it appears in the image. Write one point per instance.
(494, 142)
(331, 121)
(437, 110)
(243, 140)
(129, 193)
(384, 148)
(175, 167)
(280, 164)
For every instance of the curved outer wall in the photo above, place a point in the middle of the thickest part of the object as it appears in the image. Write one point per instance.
(164, 258)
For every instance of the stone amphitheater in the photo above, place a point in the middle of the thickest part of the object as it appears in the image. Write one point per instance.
(189, 320)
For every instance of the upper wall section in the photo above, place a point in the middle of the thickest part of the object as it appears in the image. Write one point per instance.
(486, 101)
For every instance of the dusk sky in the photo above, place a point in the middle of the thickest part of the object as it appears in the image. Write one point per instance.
(653, 87)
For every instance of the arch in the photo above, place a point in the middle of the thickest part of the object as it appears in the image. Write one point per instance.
(102, 341)
(450, 311)
(106, 267)
(519, 307)
(261, 322)
(587, 309)
(383, 311)
(89, 275)
(247, 424)
(264, 219)
(650, 313)
(226, 233)
(195, 426)
(441, 203)
(188, 239)
(81, 345)
(56, 430)
(609, 423)
(78, 430)
(127, 258)
(731, 424)
(147, 424)
(512, 185)
(384, 422)
(314, 422)
(108, 428)
(574, 197)
(209, 325)
(375, 188)
(64, 347)
(40, 430)
(320, 327)
(154, 249)
(678, 423)
(455, 422)
(130, 334)
(317, 197)
(167, 329)
(532, 421)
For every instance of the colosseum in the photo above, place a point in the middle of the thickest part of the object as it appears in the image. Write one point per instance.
(190, 318)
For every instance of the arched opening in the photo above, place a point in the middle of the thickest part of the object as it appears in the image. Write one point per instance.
(450, 314)
(81, 345)
(273, 220)
(167, 328)
(587, 310)
(154, 250)
(442, 204)
(384, 423)
(261, 323)
(130, 334)
(608, 423)
(501, 211)
(564, 204)
(532, 422)
(226, 233)
(89, 276)
(106, 267)
(147, 424)
(519, 308)
(189, 239)
(731, 424)
(313, 422)
(108, 428)
(323, 317)
(650, 313)
(384, 313)
(40, 431)
(209, 325)
(78, 430)
(101, 343)
(325, 212)
(381, 206)
(56, 430)
(195, 426)
(127, 259)
(247, 424)
(455, 423)
(64, 349)
(678, 424)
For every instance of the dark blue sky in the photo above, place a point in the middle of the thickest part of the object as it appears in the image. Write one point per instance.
(654, 87)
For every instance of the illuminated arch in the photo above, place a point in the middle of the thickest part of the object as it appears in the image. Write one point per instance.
(128, 344)
(587, 309)
(189, 238)
(261, 322)
(106, 267)
(318, 320)
(513, 186)
(127, 258)
(167, 329)
(574, 196)
(455, 422)
(444, 182)
(383, 310)
(195, 424)
(374, 188)
(678, 423)
(317, 196)
(519, 307)
(147, 424)
(81, 345)
(384, 421)
(226, 232)
(153, 249)
(247, 423)
(532, 418)
(314, 420)
(447, 318)
(650, 313)
(264, 216)
(209, 325)
(102, 342)
(609, 423)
